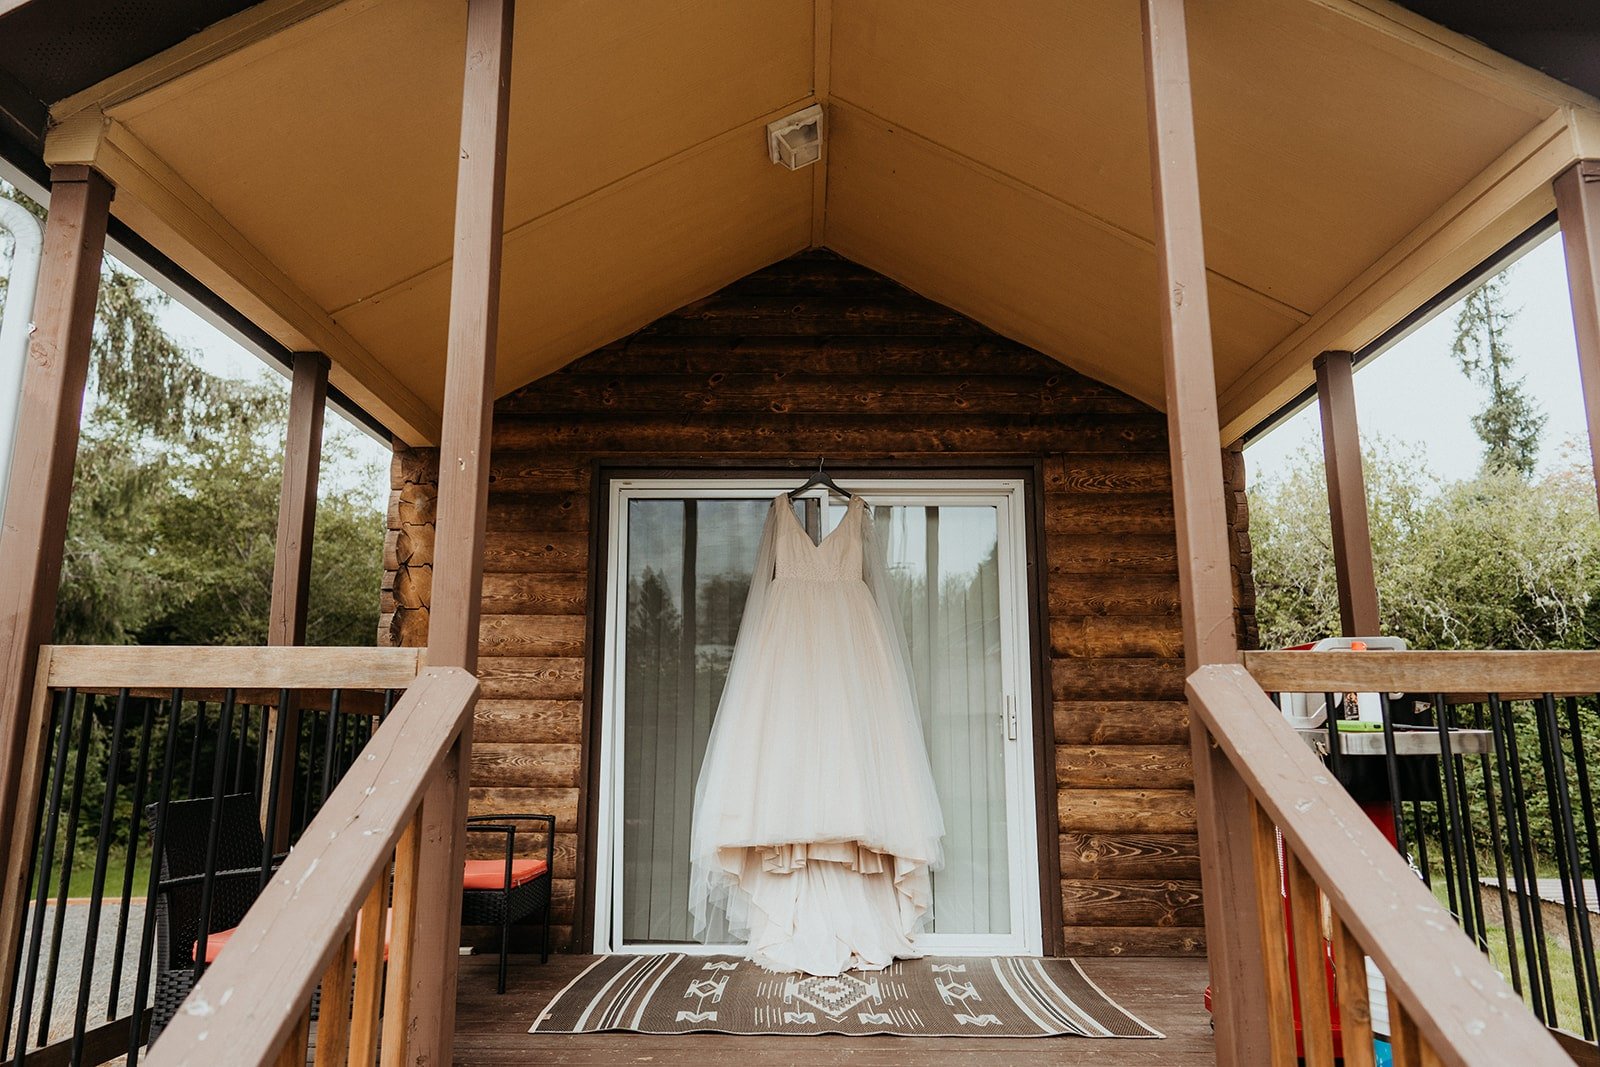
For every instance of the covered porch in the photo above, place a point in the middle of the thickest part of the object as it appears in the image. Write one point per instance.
(1017, 285)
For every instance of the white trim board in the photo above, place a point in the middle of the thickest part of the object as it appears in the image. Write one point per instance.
(1007, 497)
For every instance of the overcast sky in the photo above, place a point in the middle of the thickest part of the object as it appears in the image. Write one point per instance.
(1415, 392)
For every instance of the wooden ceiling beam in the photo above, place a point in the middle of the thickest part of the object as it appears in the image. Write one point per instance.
(1506, 198)
(1467, 62)
(158, 203)
(219, 41)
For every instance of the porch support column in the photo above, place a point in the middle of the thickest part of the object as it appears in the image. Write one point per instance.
(1347, 495)
(1222, 801)
(35, 528)
(291, 566)
(1578, 208)
(463, 500)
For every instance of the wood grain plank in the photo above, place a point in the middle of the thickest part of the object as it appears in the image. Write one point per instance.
(1116, 637)
(1126, 591)
(1124, 767)
(525, 765)
(528, 722)
(1121, 722)
(1130, 856)
(535, 594)
(1156, 811)
(1087, 902)
(1135, 941)
(531, 635)
(1116, 679)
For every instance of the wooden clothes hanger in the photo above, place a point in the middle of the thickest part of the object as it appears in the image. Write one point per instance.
(820, 478)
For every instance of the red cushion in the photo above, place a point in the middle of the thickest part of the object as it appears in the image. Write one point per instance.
(491, 874)
(217, 941)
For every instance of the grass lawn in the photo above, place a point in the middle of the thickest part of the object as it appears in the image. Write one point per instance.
(1563, 967)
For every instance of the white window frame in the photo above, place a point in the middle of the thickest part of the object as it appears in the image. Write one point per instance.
(1006, 495)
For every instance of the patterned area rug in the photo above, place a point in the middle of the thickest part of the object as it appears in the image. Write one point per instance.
(1007, 996)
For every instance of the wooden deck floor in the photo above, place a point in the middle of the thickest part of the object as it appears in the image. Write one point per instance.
(493, 1029)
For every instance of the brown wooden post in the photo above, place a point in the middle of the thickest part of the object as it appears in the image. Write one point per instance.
(42, 462)
(297, 500)
(291, 566)
(1347, 495)
(1223, 804)
(462, 504)
(1578, 208)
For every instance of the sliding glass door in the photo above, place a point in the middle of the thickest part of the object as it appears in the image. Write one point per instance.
(680, 562)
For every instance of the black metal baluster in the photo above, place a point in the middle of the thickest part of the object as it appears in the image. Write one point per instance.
(1498, 845)
(102, 853)
(135, 835)
(219, 769)
(275, 787)
(51, 819)
(330, 752)
(1580, 764)
(1420, 838)
(313, 723)
(1458, 765)
(1335, 751)
(238, 757)
(1452, 816)
(158, 837)
(1509, 773)
(194, 749)
(74, 808)
(1529, 877)
(262, 728)
(1391, 767)
(1577, 908)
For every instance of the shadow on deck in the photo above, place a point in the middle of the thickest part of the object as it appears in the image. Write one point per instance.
(490, 1029)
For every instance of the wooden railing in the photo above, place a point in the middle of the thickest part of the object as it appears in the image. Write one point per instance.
(1342, 891)
(322, 917)
(144, 731)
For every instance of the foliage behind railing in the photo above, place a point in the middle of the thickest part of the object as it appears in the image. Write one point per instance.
(118, 737)
(1446, 1003)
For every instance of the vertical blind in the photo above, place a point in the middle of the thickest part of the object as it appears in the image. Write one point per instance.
(688, 570)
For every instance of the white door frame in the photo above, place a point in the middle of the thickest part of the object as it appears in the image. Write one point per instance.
(1006, 496)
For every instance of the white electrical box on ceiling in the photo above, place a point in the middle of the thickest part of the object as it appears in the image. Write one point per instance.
(795, 140)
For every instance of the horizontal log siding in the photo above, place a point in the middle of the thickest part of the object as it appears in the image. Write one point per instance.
(817, 356)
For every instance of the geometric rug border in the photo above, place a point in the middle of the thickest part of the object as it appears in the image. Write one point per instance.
(706, 1022)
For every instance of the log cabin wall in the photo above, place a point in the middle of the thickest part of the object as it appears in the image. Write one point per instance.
(815, 355)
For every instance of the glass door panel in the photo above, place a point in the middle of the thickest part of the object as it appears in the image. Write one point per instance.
(944, 569)
(687, 560)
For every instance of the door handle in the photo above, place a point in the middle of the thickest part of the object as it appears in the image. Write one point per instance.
(1011, 717)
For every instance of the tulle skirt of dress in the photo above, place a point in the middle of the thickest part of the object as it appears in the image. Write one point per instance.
(816, 822)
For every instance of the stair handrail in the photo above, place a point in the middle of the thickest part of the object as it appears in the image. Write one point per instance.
(1450, 998)
(252, 1004)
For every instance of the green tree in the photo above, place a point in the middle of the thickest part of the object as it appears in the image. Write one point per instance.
(1510, 421)
(1494, 561)
(175, 495)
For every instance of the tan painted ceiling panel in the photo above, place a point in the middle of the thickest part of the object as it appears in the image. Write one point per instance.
(584, 276)
(354, 126)
(989, 153)
(1318, 149)
(1016, 260)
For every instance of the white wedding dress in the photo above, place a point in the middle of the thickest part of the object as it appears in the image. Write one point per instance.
(816, 824)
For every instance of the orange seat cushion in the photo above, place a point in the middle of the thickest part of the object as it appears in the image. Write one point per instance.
(491, 874)
(216, 942)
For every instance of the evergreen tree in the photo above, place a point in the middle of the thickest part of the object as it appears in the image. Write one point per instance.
(175, 493)
(1510, 422)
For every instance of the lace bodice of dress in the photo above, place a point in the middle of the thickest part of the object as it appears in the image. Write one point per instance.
(836, 559)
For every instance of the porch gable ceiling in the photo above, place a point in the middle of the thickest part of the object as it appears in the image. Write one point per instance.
(299, 157)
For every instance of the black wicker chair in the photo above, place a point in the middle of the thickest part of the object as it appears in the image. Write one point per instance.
(496, 895)
(235, 887)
